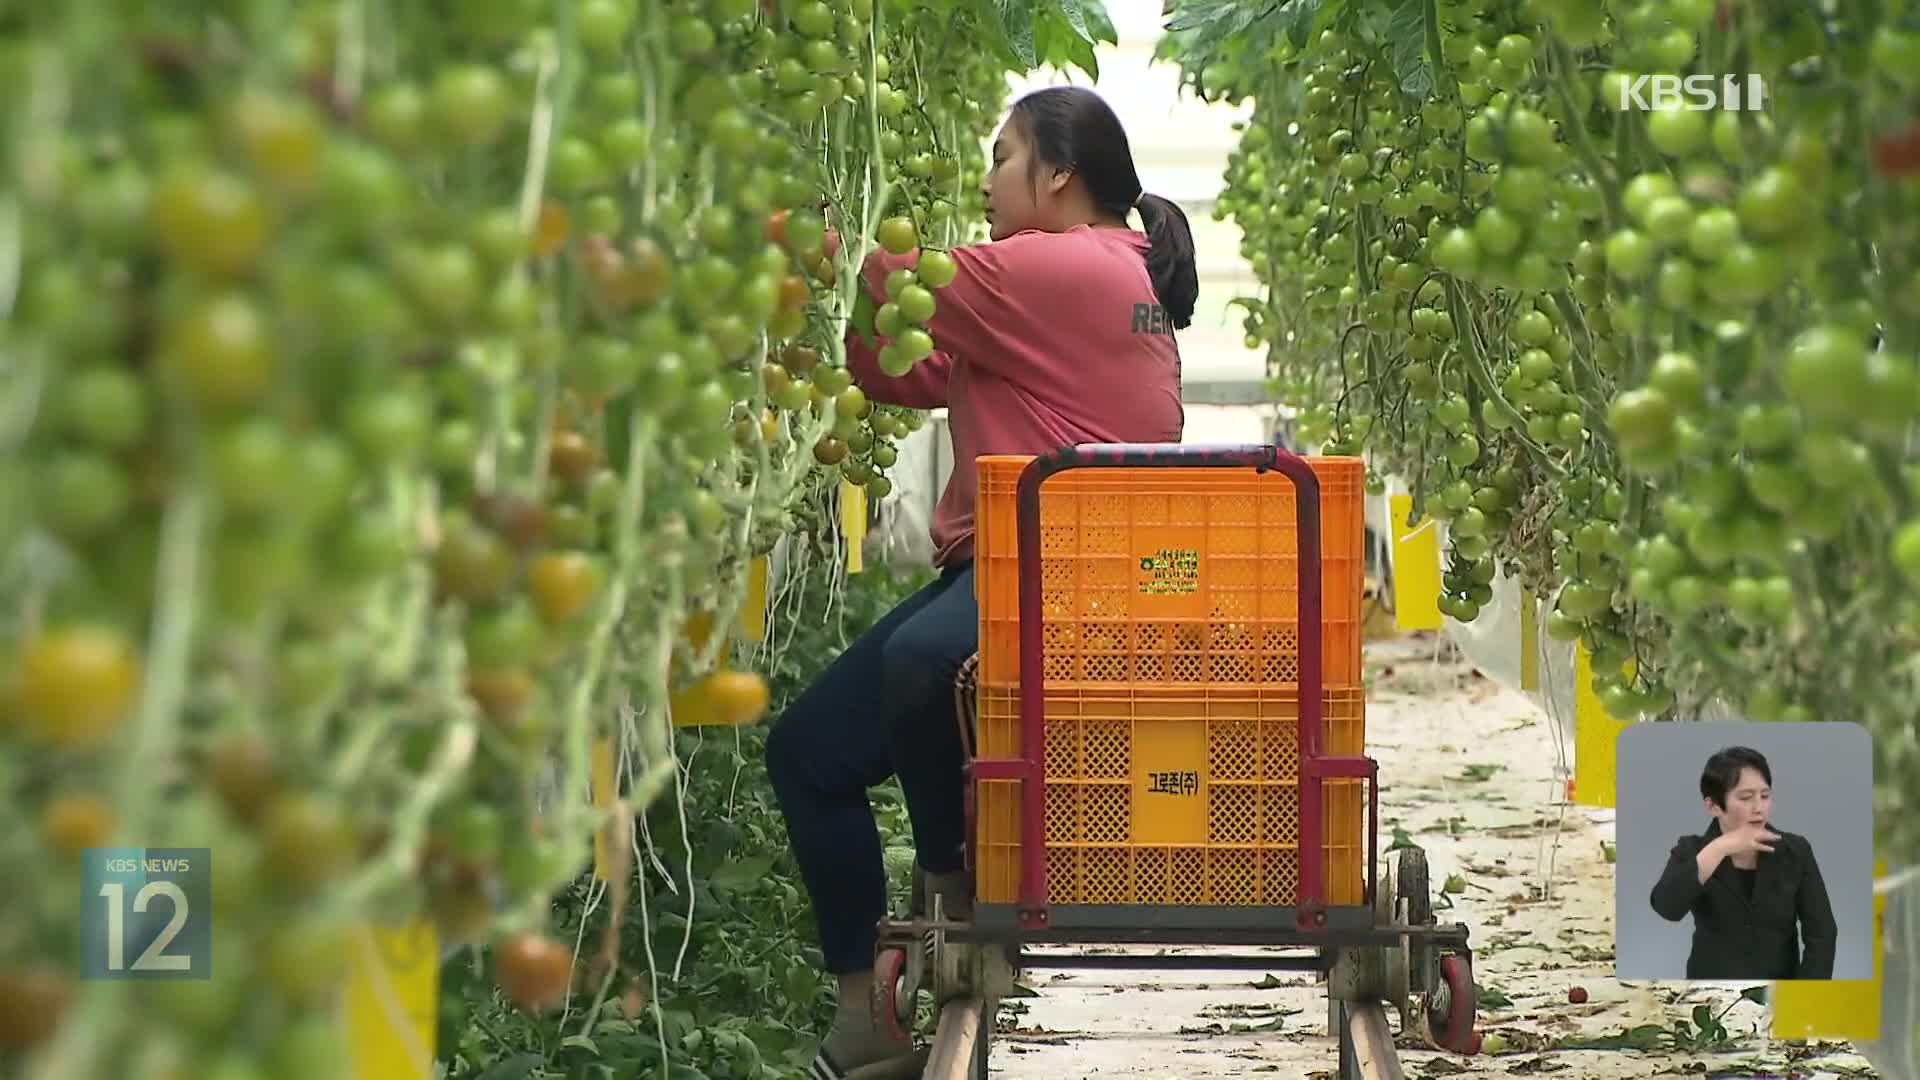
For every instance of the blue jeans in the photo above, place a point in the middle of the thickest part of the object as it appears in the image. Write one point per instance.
(885, 707)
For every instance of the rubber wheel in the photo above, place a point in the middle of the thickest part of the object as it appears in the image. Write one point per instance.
(1452, 1029)
(1410, 884)
(891, 1013)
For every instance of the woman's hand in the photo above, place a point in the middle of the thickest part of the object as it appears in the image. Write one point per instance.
(1748, 840)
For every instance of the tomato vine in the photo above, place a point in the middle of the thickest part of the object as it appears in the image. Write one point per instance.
(1655, 362)
(392, 399)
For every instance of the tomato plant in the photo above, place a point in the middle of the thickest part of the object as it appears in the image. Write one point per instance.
(388, 390)
(1654, 364)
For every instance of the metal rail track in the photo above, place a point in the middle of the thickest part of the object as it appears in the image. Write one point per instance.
(958, 1050)
(1365, 1045)
(957, 1042)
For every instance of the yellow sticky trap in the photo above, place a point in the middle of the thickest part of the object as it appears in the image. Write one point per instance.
(698, 629)
(1416, 568)
(853, 522)
(1529, 642)
(690, 706)
(1847, 1010)
(605, 779)
(393, 994)
(753, 609)
(1595, 735)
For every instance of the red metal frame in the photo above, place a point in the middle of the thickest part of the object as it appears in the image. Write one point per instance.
(1029, 769)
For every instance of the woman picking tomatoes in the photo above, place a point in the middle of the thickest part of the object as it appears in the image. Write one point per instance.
(1059, 331)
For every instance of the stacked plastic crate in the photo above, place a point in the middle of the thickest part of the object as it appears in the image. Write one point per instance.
(1172, 662)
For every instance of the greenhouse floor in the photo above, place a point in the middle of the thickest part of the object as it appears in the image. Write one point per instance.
(1469, 770)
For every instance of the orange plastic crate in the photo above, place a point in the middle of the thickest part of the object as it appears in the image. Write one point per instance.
(1157, 795)
(1170, 576)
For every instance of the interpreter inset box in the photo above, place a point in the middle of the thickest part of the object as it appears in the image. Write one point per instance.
(146, 913)
(1744, 852)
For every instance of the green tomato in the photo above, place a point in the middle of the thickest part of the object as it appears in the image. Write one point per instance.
(84, 494)
(1642, 418)
(106, 406)
(1827, 372)
(1630, 254)
(1772, 203)
(1895, 53)
(1497, 233)
(936, 269)
(1905, 552)
(1676, 130)
(470, 105)
(1458, 253)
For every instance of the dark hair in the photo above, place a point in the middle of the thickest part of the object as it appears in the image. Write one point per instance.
(1723, 770)
(1070, 127)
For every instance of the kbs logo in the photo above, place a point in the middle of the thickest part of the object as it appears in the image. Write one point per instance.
(146, 913)
(1696, 93)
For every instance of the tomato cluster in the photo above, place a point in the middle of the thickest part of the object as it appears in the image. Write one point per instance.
(388, 387)
(1657, 364)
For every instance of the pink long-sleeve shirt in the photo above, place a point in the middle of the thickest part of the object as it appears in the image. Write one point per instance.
(1043, 340)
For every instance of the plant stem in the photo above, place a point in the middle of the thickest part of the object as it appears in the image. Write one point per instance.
(153, 738)
(627, 550)
(401, 855)
(1483, 376)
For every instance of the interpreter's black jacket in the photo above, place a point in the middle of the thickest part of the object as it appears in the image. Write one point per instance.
(1759, 937)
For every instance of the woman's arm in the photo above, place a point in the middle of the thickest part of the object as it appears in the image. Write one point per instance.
(1684, 878)
(979, 313)
(1818, 932)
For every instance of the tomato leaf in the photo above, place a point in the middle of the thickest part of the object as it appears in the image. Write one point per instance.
(1200, 32)
(1082, 56)
(772, 1040)
(1406, 34)
(1304, 17)
(1077, 19)
(1644, 1037)
(741, 873)
(1059, 45)
(1223, 16)
(517, 1067)
(677, 1023)
(1098, 22)
(1015, 19)
(1076, 12)
(1048, 44)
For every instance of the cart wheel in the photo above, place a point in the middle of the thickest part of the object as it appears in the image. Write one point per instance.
(892, 1003)
(1410, 884)
(1450, 1011)
(1413, 902)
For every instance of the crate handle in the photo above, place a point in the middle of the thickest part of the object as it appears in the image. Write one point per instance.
(1311, 909)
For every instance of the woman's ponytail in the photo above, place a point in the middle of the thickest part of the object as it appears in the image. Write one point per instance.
(1170, 258)
(1072, 128)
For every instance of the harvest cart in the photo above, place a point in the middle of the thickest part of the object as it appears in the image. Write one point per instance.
(1165, 730)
